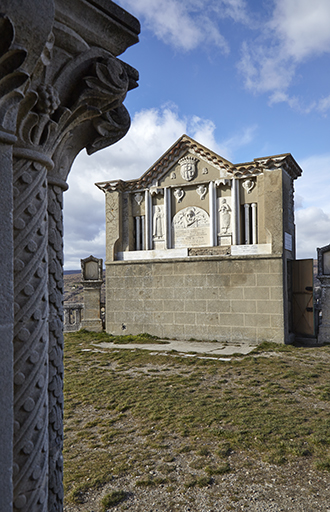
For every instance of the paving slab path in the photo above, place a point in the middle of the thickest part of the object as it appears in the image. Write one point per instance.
(187, 348)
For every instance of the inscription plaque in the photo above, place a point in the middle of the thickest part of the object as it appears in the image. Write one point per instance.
(191, 228)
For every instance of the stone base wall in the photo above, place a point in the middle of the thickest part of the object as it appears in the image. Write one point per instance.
(232, 299)
(92, 325)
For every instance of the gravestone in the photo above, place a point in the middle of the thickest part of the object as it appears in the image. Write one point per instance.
(92, 279)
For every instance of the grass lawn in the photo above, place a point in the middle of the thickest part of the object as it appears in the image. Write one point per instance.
(132, 413)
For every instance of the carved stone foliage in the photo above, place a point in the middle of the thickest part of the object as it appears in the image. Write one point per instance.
(201, 191)
(11, 76)
(248, 185)
(138, 198)
(179, 194)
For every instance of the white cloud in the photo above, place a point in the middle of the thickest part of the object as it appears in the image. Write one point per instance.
(323, 105)
(302, 26)
(313, 222)
(152, 132)
(314, 185)
(297, 31)
(187, 25)
(313, 230)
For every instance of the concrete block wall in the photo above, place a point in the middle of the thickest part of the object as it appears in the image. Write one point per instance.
(232, 299)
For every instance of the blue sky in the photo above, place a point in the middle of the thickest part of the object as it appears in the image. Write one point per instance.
(246, 78)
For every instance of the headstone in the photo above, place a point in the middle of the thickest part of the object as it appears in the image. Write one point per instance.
(92, 279)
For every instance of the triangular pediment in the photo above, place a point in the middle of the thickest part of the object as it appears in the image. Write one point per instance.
(188, 160)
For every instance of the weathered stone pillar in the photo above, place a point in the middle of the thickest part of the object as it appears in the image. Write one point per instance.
(24, 33)
(62, 89)
(323, 255)
(92, 279)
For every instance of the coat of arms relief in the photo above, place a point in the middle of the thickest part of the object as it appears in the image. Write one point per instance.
(188, 167)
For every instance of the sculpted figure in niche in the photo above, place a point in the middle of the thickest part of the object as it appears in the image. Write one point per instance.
(224, 216)
(158, 230)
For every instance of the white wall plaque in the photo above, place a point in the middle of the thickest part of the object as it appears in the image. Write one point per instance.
(152, 255)
(288, 241)
(191, 228)
(245, 250)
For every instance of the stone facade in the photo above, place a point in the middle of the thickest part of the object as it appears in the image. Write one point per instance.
(199, 247)
(323, 254)
(62, 90)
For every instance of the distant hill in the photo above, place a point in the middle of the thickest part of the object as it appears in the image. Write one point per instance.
(73, 289)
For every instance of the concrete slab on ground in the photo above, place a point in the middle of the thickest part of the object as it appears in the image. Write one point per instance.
(186, 347)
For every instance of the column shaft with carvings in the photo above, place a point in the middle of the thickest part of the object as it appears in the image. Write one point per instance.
(23, 471)
(62, 88)
(56, 340)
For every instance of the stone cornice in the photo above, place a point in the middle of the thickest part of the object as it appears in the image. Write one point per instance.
(163, 164)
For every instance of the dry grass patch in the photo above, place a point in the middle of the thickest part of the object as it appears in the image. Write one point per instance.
(182, 422)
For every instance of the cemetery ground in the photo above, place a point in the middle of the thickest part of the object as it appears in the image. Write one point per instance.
(149, 431)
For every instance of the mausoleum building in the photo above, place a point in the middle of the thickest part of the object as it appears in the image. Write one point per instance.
(199, 247)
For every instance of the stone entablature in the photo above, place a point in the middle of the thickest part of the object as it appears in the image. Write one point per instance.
(193, 198)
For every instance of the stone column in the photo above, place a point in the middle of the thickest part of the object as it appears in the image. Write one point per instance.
(137, 233)
(247, 239)
(19, 50)
(238, 212)
(254, 223)
(56, 340)
(233, 212)
(213, 216)
(6, 317)
(143, 234)
(62, 90)
(148, 220)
